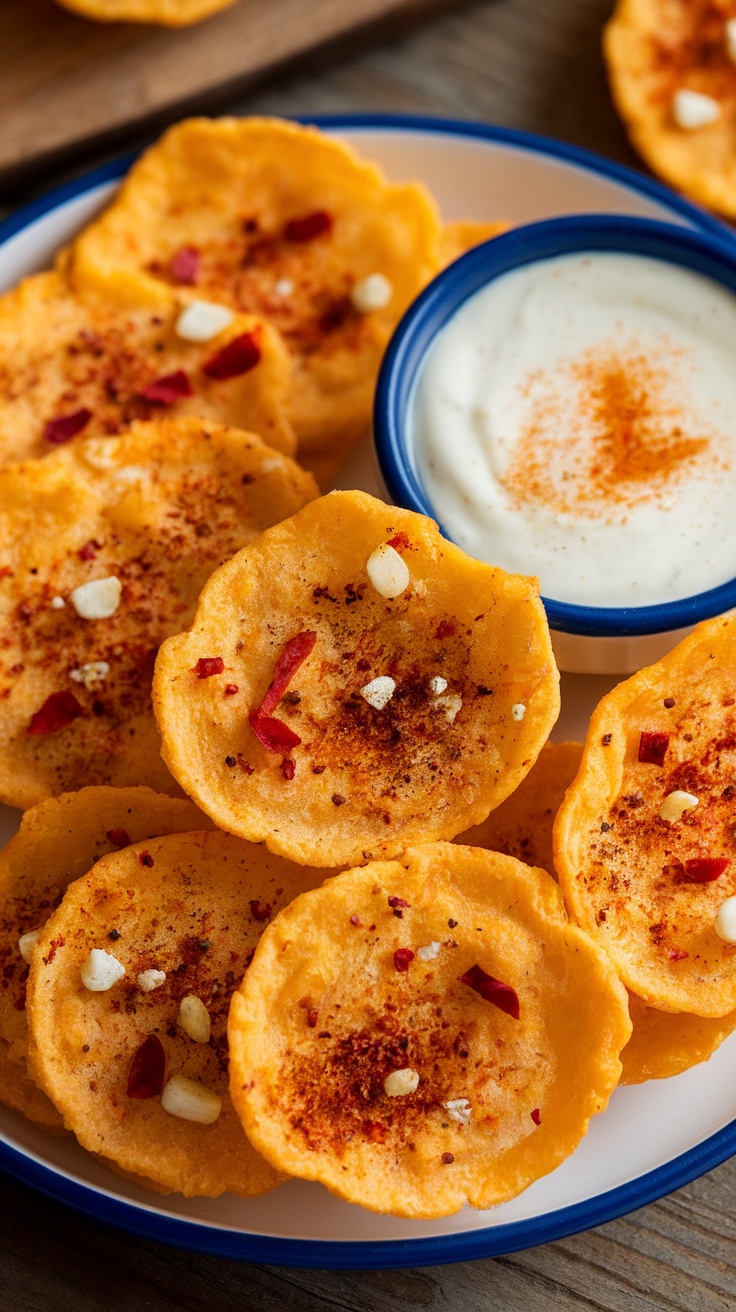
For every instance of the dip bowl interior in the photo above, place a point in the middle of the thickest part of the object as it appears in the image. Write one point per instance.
(587, 639)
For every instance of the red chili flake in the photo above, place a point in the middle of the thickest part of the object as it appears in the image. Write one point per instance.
(54, 946)
(147, 1069)
(145, 859)
(704, 869)
(318, 769)
(312, 1017)
(6, 572)
(294, 654)
(447, 1159)
(185, 265)
(399, 542)
(62, 429)
(258, 912)
(398, 902)
(245, 766)
(501, 995)
(356, 920)
(677, 954)
(89, 550)
(403, 958)
(288, 768)
(652, 748)
(118, 837)
(338, 799)
(230, 689)
(169, 389)
(240, 355)
(445, 629)
(308, 226)
(57, 712)
(207, 666)
(536, 1116)
(273, 734)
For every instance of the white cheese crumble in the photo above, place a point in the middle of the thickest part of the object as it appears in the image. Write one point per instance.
(437, 684)
(92, 675)
(399, 1083)
(190, 1100)
(148, 980)
(284, 287)
(692, 110)
(725, 922)
(26, 944)
(387, 571)
(98, 599)
(459, 1109)
(371, 293)
(101, 970)
(57, 603)
(518, 711)
(451, 705)
(429, 951)
(200, 321)
(194, 1018)
(676, 804)
(101, 452)
(378, 692)
(731, 39)
(131, 474)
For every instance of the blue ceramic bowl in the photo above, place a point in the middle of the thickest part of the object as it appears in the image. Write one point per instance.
(587, 639)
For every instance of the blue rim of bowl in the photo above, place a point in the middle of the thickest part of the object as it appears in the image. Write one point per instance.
(492, 1241)
(415, 335)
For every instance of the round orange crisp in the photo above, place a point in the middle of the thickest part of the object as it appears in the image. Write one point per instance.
(665, 1043)
(104, 547)
(59, 840)
(422, 1033)
(362, 721)
(644, 842)
(168, 13)
(71, 368)
(672, 70)
(281, 221)
(138, 1070)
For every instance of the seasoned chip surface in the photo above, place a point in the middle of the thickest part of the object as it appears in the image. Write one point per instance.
(193, 907)
(58, 841)
(647, 887)
(73, 369)
(169, 13)
(341, 998)
(285, 223)
(665, 1043)
(152, 512)
(657, 49)
(396, 724)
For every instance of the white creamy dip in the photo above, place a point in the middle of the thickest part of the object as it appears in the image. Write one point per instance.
(576, 419)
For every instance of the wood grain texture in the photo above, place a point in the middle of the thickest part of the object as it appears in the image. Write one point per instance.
(532, 64)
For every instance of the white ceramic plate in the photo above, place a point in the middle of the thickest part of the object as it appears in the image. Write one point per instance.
(653, 1137)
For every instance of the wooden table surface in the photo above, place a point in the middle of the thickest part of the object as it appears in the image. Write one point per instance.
(529, 64)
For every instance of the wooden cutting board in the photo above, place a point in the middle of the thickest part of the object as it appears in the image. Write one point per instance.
(66, 82)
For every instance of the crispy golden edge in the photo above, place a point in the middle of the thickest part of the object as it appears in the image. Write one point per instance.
(166, 13)
(665, 1043)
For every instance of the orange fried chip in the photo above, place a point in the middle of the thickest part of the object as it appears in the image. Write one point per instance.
(70, 368)
(422, 1033)
(168, 13)
(278, 220)
(672, 70)
(644, 843)
(665, 1043)
(104, 546)
(135, 1059)
(391, 689)
(463, 234)
(59, 840)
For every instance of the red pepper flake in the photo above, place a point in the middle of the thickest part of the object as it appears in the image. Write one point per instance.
(704, 869)
(653, 747)
(240, 355)
(447, 1159)
(57, 712)
(62, 429)
(294, 654)
(312, 1017)
(677, 954)
(54, 946)
(118, 837)
(445, 629)
(207, 666)
(145, 859)
(308, 226)
(89, 550)
(398, 902)
(6, 572)
(273, 734)
(185, 265)
(245, 766)
(288, 769)
(258, 912)
(493, 990)
(147, 1069)
(356, 920)
(230, 690)
(399, 542)
(403, 958)
(169, 389)
(536, 1116)
(338, 799)
(318, 769)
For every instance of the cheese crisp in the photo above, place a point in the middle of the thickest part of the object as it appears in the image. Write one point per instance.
(169, 13)
(128, 998)
(665, 1043)
(644, 844)
(71, 369)
(422, 1033)
(59, 840)
(104, 547)
(280, 221)
(389, 688)
(672, 69)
